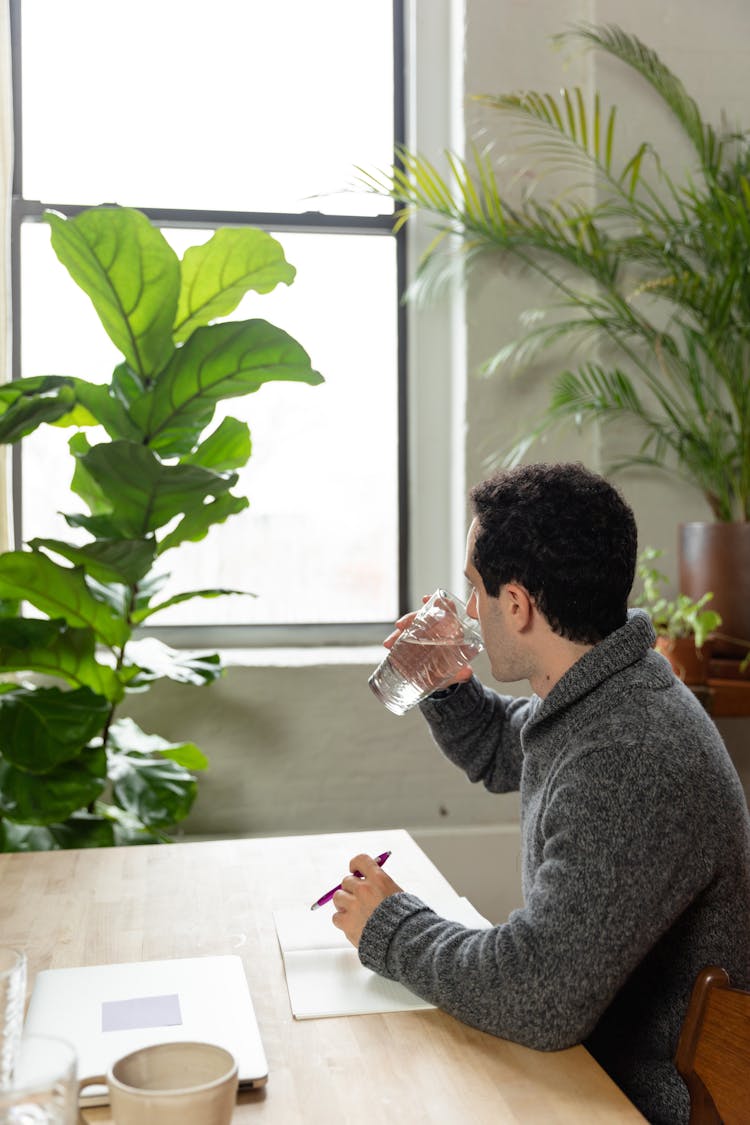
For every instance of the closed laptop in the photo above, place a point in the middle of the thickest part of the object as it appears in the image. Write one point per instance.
(106, 1011)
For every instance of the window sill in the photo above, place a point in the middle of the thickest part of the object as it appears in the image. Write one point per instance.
(314, 656)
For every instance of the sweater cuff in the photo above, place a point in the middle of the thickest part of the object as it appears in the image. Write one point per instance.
(462, 700)
(381, 927)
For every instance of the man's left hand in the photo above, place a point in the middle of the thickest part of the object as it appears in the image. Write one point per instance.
(358, 897)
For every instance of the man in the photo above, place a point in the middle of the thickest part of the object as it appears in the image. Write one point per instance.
(635, 829)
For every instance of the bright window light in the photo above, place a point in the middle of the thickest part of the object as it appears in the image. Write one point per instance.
(258, 108)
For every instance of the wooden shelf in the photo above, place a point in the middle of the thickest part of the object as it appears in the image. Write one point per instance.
(727, 698)
(724, 699)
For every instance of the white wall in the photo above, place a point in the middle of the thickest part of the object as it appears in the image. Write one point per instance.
(305, 747)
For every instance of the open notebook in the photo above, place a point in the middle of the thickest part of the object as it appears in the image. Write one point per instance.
(324, 975)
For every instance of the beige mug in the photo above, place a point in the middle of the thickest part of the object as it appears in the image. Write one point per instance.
(170, 1084)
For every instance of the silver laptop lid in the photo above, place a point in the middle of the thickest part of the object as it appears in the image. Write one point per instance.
(106, 1011)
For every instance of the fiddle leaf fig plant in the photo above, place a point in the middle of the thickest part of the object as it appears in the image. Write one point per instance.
(152, 471)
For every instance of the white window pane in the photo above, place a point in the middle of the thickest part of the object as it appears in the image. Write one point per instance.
(244, 105)
(320, 539)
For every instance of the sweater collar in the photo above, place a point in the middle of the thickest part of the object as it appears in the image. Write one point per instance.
(619, 650)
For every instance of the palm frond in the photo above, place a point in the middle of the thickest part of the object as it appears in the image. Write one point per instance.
(567, 136)
(654, 272)
(635, 54)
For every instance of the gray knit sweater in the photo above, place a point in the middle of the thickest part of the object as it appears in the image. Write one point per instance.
(636, 869)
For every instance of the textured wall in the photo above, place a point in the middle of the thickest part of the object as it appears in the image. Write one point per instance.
(307, 749)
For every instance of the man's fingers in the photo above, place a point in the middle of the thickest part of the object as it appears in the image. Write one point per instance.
(363, 864)
(349, 885)
(403, 623)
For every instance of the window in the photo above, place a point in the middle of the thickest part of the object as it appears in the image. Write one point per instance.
(243, 113)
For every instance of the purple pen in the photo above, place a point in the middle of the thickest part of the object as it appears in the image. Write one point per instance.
(379, 859)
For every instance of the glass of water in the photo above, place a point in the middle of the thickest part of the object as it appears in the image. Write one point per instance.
(44, 1090)
(440, 641)
(12, 1000)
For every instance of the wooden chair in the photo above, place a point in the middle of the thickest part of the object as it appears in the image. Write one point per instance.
(713, 1054)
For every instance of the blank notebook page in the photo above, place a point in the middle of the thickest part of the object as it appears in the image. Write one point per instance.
(324, 975)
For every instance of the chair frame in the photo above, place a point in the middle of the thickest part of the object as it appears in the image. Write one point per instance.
(714, 1049)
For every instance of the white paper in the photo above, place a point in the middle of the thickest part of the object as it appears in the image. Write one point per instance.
(324, 975)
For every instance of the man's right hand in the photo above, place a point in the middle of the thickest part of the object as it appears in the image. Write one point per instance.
(462, 675)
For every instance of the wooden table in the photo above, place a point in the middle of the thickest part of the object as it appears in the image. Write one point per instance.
(128, 904)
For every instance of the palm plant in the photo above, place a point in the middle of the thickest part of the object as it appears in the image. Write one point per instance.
(651, 276)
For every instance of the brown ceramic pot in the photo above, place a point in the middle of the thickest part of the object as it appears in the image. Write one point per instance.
(716, 557)
(689, 663)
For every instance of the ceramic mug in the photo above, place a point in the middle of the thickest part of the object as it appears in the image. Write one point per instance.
(170, 1084)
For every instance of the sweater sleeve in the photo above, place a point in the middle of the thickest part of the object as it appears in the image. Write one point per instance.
(480, 731)
(598, 904)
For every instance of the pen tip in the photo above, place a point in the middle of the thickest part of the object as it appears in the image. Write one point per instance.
(315, 906)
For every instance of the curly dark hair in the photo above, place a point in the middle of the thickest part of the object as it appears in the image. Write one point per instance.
(567, 536)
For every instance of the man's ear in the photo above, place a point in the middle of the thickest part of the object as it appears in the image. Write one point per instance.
(520, 606)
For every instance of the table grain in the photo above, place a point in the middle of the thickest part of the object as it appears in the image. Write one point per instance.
(87, 907)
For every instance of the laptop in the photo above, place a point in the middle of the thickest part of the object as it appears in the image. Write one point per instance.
(106, 1011)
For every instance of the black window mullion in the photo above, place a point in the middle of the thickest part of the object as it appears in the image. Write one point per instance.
(25, 210)
(399, 135)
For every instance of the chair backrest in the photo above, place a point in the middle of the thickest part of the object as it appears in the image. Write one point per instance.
(713, 1054)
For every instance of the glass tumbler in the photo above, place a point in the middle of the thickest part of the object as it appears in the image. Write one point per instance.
(44, 1090)
(440, 641)
(12, 1000)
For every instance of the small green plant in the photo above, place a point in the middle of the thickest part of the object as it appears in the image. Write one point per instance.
(154, 472)
(676, 617)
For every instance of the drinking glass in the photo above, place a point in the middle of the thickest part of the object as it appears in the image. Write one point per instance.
(12, 999)
(44, 1090)
(440, 641)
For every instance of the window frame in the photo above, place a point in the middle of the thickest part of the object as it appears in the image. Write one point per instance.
(426, 48)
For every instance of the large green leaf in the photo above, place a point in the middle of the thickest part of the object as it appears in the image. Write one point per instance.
(53, 648)
(102, 402)
(25, 404)
(144, 493)
(82, 830)
(127, 385)
(218, 362)
(41, 728)
(195, 525)
(51, 797)
(127, 827)
(108, 560)
(83, 483)
(228, 447)
(102, 526)
(158, 791)
(141, 615)
(126, 736)
(131, 274)
(157, 659)
(58, 591)
(216, 275)
(150, 587)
